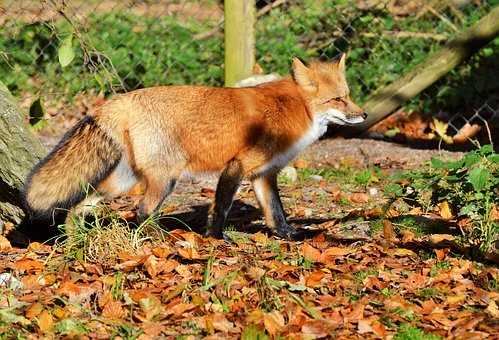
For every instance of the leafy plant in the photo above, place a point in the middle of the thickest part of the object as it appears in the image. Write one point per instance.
(469, 186)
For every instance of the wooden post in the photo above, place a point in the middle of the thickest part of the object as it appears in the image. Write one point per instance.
(239, 40)
(391, 97)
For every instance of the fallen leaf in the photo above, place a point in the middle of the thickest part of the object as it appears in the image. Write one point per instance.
(389, 231)
(45, 321)
(151, 306)
(28, 265)
(274, 322)
(151, 264)
(364, 326)
(310, 253)
(314, 278)
(492, 309)
(114, 310)
(359, 197)
(260, 238)
(445, 210)
(466, 132)
(441, 253)
(315, 329)
(407, 236)
(161, 252)
(207, 192)
(34, 310)
(189, 253)
(300, 163)
(4, 243)
(438, 238)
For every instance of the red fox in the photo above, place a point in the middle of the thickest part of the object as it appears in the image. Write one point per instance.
(153, 135)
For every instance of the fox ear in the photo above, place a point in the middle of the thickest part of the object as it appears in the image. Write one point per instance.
(341, 62)
(301, 75)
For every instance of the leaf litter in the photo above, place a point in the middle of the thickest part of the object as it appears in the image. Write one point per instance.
(360, 274)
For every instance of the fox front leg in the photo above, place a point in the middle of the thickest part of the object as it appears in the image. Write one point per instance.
(226, 189)
(267, 194)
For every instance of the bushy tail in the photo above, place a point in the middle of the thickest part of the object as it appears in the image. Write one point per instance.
(83, 158)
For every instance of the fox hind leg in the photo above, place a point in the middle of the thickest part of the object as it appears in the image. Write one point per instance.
(226, 189)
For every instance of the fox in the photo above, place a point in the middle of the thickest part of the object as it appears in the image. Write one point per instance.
(153, 135)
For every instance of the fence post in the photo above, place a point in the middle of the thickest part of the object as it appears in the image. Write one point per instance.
(239, 40)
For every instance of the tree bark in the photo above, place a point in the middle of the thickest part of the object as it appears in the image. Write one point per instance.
(19, 152)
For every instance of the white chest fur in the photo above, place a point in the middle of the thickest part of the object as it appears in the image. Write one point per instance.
(316, 129)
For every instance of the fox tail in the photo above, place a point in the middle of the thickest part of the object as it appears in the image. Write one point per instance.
(80, 161)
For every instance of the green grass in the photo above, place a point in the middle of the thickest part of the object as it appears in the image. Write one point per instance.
(146, 51)
(407, 332)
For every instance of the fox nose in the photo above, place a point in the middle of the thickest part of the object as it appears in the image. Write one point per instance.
(364, 115)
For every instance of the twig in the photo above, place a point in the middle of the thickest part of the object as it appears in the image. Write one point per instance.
(264, 10)
(442, 17)
(406, 34)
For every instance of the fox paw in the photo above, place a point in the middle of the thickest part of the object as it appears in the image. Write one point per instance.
(214, 232)
(288, 232)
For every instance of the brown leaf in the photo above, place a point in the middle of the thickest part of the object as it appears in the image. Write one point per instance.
(4, 243)
(389, 231)
(220, 323)
(151, 264)
(207, 192)
(161, 252)
(310, 253)
(364, 326)
(68, 288)
(151, 306)
(274, 322)
(189, 253)
(492, 309)
(314, 278)
(407, 236)
(359, 197)
(438, 238)
(466, 132)
(28, 265)
(441, 253)
(378, 328)
(34, 310)
(256, 273)
(260, 238)
(331, 253)
(300, 163)
(45, 321)
(315, 329)
(113, 310)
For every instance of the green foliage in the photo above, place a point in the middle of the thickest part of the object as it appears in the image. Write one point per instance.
(470, 185)
(408, 332)
(144, 51)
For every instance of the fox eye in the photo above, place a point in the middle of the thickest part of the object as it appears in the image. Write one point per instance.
(336, 99)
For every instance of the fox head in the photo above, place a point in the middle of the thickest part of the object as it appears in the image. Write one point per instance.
(326, 91)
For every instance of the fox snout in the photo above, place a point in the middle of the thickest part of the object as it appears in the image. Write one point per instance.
(340, 118)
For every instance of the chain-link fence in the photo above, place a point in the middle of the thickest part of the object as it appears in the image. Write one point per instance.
(114, 46)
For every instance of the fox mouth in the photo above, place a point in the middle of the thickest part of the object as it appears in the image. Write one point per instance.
(339, 118)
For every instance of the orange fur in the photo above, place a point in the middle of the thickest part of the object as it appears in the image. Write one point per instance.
(162, 131)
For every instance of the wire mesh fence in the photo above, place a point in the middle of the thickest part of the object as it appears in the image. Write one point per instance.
(115, 46)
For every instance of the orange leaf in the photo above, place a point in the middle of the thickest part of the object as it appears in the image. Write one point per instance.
(315, 329)
(4, 243)
(359, 197)
(389, 231)
(310, 253)
(378, 328)
(68, 288)
(189, 253)
(364, 326)
(34, 310)
(151, 264)
(330, 253)
(113, 310)
(274, 322)
(441, 253)
(161, 252)
(445, 210)
(45, 321)
(28, 265)
(314, 279)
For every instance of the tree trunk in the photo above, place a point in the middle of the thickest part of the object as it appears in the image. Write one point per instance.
(19, 151)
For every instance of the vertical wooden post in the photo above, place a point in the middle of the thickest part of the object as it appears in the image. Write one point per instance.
(239, 40)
